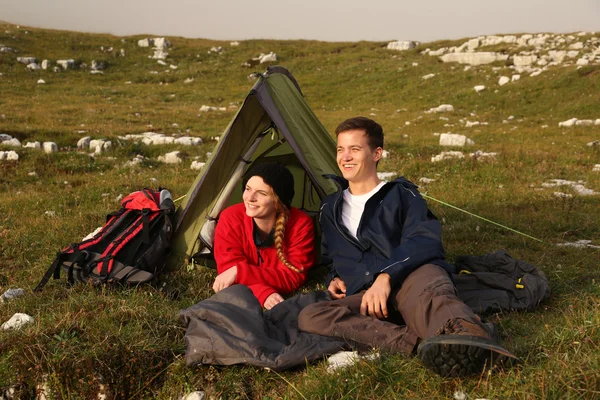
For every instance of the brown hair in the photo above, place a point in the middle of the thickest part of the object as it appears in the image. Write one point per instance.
(282, 216)
(372, 129)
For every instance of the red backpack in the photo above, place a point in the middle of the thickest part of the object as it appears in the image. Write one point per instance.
(132, 247)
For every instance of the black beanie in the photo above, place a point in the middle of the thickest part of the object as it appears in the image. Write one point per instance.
(277, 176)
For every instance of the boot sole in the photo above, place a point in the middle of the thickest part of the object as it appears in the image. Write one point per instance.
(459, 356)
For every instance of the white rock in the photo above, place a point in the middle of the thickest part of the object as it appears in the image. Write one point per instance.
(386, 176)
(441, 108)
(11, 294)
(470, 124)
(49, 147)
(66, 64)
(401, 45)
(17, 321)
(26, 60)
(596, 168)
(583, 61)
(84, 143)
(557, 55)
(173, 66)
(345, 359)
(479, 88)
(515, 78)
(199, 395)
(145, 42)
(576, 46)
(584, 122)
(33, 67)
(171, 158)
(426, 180)
(428, 76)
(234, 44)
(197, 165)
(14, 142)
(503, 80)
(33, 145)
(385, 154)
(520, 61)
(579, 244)
(453, 139)
(572, 53)
(9, 155)
(41, 81)
(438, 52)
(479, 155)
(447, 155)
(474, 58)
(159, 54)
(161, 43)
(188, 80)
(473, 44)
(594, 143)
(579, 187)
(568, 123)
(271, 57)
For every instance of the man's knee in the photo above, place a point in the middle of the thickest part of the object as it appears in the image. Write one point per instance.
(306, 318)
(318, 318)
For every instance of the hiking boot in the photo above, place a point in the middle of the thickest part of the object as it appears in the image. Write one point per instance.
(462, 348)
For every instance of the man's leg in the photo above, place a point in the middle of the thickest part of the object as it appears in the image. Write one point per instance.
(341, 318)
(455, 341)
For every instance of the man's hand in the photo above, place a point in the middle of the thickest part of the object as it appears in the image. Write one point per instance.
(225, 279)
(374, 301)
(337, 288)
(272, 300)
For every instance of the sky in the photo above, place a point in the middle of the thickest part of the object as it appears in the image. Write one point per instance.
(328, 20)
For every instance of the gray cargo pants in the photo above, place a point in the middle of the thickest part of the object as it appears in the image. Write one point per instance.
(420, 307)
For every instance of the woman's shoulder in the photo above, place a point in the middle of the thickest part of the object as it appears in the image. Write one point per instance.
(299, 216)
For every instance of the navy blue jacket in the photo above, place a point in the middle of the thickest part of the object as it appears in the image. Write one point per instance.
(397, 234)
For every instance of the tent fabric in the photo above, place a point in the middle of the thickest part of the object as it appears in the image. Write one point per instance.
(273, 124)
(232, 328)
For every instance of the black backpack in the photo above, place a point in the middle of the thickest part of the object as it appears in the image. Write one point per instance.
(132, 247)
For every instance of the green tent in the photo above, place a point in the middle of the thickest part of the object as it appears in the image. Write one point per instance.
(273, 124)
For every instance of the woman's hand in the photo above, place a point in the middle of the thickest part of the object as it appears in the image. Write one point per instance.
(273, 300)
(225, 279)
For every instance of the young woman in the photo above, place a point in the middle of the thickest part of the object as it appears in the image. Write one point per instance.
(264, 242)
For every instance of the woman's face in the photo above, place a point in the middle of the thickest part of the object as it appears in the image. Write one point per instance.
(259, 199)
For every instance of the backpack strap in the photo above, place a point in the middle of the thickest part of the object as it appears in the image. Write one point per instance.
(53, 270)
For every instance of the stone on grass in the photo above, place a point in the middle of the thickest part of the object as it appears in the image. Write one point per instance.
(515, 78)
(474, 58)
(84, 143)
(584, 122)
(441, 108)
(49, 147)
(33, 145)
(594, 143)
(26, 60)
(171, 158)
(578, 186)
(17, 321)
(568, 123)
(343, 359)
(562, 195)
(425, 181)
(479, 88)
(66, 64)
(188, 80)
(428, 76)
(11, 294)
(265, 58)
(386, 176)
(197, 165)
(503, 80)
(481, 155)
(596, 168)
(401, 45)
(188, 141)
(234, 43)
(447, 155)
(199, 395)
(579, 244)
(100, 145)
(583, 62)
(9, 156)
(41, 81)
(33, 67)
(521, 61)
(454, 139)
(469, 124)
(385, 154)
(14, 142)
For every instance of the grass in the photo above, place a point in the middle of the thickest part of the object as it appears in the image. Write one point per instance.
(131, 341)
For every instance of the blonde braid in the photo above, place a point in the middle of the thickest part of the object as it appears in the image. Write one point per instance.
(282, 217)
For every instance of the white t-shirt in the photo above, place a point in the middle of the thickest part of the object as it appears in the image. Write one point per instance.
(353, 208)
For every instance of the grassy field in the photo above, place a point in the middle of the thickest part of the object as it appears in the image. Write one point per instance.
(131, 341)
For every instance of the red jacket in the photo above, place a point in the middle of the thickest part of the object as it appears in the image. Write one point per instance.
(234, 246)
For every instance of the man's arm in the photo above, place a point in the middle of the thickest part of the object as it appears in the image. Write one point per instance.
(421, 240)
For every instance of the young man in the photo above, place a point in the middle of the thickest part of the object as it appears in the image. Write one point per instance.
(388, 261)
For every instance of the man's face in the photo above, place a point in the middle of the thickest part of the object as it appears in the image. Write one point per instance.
(355, 158)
